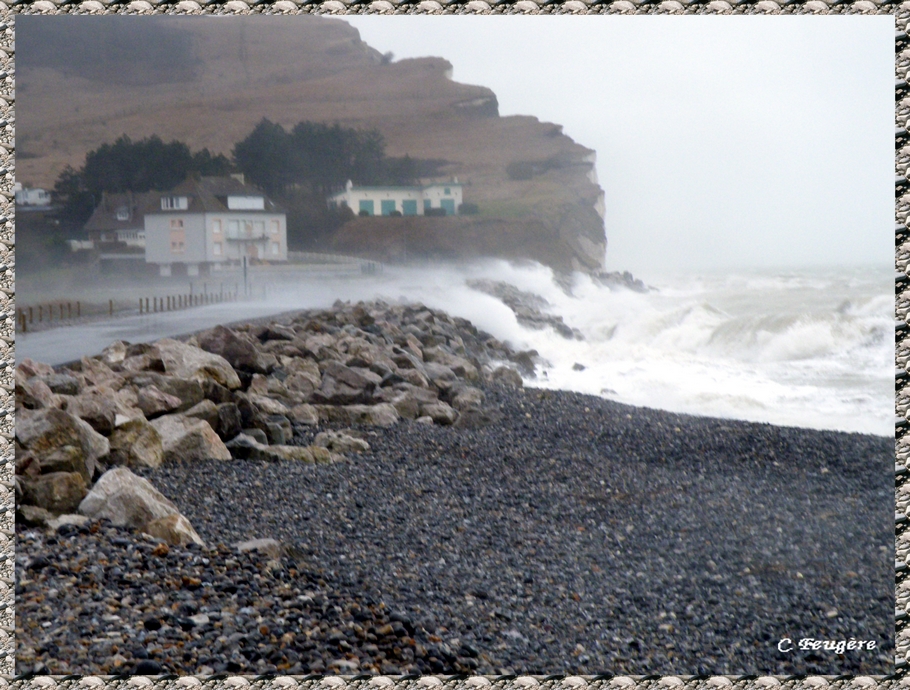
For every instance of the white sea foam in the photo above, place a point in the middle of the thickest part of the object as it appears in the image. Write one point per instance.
(810, 348)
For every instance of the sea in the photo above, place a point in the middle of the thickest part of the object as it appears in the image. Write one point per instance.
(811, 348)
(802, 347)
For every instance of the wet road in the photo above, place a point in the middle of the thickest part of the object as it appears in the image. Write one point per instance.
(68, 343)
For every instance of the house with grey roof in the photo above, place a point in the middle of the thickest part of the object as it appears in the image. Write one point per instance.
(207, 223)
(118, 222)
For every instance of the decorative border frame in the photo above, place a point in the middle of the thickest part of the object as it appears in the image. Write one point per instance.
(901, 12)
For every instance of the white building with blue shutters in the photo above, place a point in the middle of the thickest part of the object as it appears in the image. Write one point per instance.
(408, 201)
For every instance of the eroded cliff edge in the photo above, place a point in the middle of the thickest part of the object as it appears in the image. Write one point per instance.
(535, 188)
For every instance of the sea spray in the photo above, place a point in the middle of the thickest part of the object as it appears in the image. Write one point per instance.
(809, 348)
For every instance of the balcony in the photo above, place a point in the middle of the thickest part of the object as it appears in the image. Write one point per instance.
(246, 237)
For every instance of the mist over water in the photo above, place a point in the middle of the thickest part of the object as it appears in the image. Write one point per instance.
(797, 347)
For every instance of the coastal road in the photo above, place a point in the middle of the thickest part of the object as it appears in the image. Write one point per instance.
(286, 291)
(69, 343)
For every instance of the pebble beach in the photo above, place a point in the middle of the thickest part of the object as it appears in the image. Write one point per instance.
(419, 511)
(571, 534)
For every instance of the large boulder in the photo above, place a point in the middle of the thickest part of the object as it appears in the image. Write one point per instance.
(440, 412)
(175, 529)
(507, 376)
(407, 399)
(62, 384)
(440, 375)
(301, 385)
(340, 442)
(245, 447)
(194, 364)
(33, 393)
(44, 432)
(189, 392)
(56, 492)
(92, 372)
(464, 397)
(305, 414)
(96, 405)
(383, 414)
(207, 411)
(30, 367)
(185, 438)
(114, 354)
(154, 402)
(342, 385)
(240, 352)
(267, 405)
(136, 444)
(228, 421)
(128, 500)
(462, 367)
(277, 331)
(61, 459)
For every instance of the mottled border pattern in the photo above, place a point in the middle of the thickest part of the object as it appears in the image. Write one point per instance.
(901, 12)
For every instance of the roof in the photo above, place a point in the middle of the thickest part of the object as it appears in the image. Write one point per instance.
(395, 188)
(104, 217)
(208, 194)
(205, 194)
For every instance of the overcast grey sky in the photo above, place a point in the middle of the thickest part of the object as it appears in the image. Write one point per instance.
(721, 141)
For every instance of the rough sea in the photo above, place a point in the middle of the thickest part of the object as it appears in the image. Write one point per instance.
(810, 348)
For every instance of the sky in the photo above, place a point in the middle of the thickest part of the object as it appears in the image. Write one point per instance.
(722, 142)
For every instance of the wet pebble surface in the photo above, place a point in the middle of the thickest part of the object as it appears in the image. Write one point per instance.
(571, 535)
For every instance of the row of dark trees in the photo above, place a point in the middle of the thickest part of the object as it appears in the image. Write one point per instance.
(131, 166)
(297, 168)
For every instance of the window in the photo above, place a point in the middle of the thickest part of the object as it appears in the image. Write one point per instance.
(123, 213)
(259, 227)
(176, 223)
(178, 241)
(174, 203)
(216, 227)
(275, 227)
(448, 191)
(216, 249)
(276, 248)
(234, 229)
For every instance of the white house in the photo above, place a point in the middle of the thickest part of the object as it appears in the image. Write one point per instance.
(408, 201)
(213, 221)
(26, 196)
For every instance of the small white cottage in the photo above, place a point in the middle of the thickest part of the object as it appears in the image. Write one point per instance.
(408, 201)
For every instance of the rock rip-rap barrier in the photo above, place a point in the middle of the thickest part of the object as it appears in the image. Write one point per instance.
(236, 394)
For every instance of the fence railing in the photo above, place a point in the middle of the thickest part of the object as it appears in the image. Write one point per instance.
(53, 313)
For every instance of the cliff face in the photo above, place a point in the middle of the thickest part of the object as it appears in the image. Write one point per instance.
(530, 181)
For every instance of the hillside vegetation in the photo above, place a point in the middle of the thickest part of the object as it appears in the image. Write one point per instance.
(218, 79)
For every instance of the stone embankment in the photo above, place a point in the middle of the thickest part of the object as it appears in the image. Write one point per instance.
(186, 507)
(238, 394)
